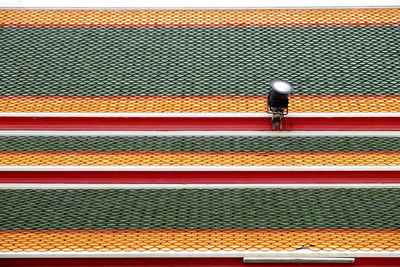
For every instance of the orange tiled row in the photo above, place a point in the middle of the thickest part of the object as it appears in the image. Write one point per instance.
(200, 240)
(196, 104)
(151, 158)
(201, 17)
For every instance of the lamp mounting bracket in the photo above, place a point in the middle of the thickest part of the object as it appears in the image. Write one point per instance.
(277, 121)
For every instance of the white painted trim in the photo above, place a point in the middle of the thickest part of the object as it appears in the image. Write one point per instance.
(343, 114)
(203, 254)
(199, 115)
(201, 133)
(200, 168)
(296, 260)
(280, 6)
(52, 186)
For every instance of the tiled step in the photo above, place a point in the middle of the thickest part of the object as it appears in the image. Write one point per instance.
(199, 151)
(198, 61)
(209, 219)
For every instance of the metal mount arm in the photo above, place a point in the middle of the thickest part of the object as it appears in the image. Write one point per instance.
(277, 120)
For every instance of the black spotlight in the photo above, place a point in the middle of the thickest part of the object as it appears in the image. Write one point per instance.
(278, 100)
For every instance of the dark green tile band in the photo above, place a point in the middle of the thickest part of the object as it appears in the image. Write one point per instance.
(200, 209)
(199, 61)
(198, 143)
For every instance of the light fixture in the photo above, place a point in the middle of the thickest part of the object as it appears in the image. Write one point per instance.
(278, 100)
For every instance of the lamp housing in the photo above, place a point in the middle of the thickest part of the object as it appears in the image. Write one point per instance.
(278, 97)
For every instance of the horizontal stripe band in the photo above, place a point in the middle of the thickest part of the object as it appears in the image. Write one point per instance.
(69, 178)
(164, 26)
(205, 133)
(196, 104)
(199, 143)
(208, 115)
(187, 256)
(167, 159)
(60, 185)
(207, 231)
(74, 209)
(199, 61)
(205, 169)
(191, 18)
(201, 240)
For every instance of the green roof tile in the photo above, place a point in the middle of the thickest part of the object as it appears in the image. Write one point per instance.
(199, 61)
(199, 143)
(200, 209)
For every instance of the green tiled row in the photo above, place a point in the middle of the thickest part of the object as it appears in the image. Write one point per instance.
(200, 209)
(199, 61)
(198, 143)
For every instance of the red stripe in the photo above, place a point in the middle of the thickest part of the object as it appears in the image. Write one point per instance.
(169, 262)
(197, 124)
(201, 177)
(224, 25)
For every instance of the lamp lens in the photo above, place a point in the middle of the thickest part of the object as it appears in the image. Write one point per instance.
(281, 87)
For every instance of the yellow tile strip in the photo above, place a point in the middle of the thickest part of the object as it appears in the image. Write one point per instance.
(200, 17)
(200, 240)
(200, 104)
(139, 158)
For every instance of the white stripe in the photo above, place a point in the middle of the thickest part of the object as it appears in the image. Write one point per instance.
(201, 133)
(295, 260)
(53, 186)
(204, 4)
(199, 115)
(381, 4)
(202, 254)
(200, 168)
